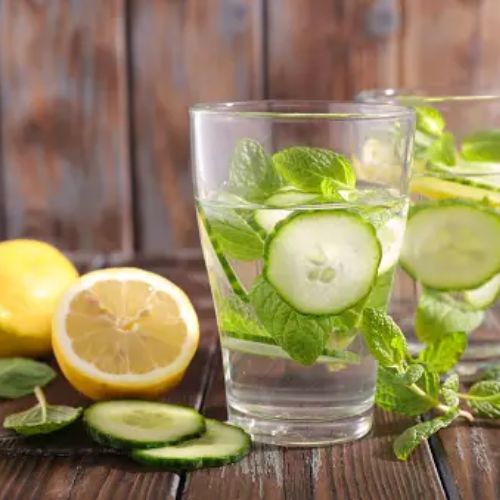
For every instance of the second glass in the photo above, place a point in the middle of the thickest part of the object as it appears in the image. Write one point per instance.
(297, 243)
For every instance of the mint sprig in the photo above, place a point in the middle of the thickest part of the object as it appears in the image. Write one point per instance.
(411, 386)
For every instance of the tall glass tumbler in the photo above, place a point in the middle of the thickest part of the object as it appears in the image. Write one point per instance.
(299, 237)
(452, 245)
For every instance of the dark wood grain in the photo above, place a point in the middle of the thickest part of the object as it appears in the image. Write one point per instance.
(64, 123)
(183, 52)
(363, 469)
(331, 49)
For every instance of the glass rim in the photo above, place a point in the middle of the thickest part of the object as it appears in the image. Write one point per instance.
(428, 95)
(306, 109)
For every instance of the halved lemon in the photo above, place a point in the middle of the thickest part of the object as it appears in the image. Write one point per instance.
(124, 332)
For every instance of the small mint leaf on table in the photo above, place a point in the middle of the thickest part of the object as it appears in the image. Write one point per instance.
(20, 376)
(449, 390)
(384, 338)
(251, 174)
(407, 442)
(306, 168)
(42, 418)
(443, 354)
(439, 314)
(234, 235)
(393, 395)
(303, 337)
(484, 398)
(482, 146)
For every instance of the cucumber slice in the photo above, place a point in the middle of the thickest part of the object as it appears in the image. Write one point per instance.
(486, 295)
(322, 261)
(452, 245)
(127, 424)
(331, 354)
(438, 188)
(289, 198)
(268, 218)
(390, 236)
(221, 444)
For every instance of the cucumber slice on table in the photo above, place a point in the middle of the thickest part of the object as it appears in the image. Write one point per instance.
(221, 444)
(322, 261)
(486, 295)
(127, 424)
(452, 245)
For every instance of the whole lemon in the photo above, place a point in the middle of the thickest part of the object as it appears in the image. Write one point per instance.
(33, 277)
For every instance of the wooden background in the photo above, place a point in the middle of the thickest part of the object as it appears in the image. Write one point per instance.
(94, 152)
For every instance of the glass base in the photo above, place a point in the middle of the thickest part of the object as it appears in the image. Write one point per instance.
(302, 433)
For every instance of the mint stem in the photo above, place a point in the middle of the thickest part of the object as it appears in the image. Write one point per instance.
(491, 397)
(40, 396)
(439, 406)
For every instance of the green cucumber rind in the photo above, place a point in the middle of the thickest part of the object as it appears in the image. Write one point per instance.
(424, 205)
(190, 464)
(310, 213)
(231, 277)
(446, 175)
(121, 443)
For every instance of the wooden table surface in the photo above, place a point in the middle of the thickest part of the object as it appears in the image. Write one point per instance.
(461, 462)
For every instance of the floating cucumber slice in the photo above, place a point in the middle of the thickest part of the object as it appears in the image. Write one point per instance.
(438, 188)
(258, 347)
(221, 444)
(486, 295)
(290, 198)
(390, 236)
(322, 261)
(127, 424)
(452, 245)
(268, 218)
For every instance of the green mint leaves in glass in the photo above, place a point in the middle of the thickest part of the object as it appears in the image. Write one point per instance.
(299, 239)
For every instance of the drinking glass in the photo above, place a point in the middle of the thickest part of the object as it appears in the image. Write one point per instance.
(452, 245)
(299, 237)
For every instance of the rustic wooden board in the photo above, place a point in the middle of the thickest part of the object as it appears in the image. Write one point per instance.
(65, 122)
(183, 52)
(331, 49)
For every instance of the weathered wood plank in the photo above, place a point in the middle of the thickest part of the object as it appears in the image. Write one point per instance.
(472, 456)
(183, 51)
(332, 49)
(363, 469)
(450, 43)
(64, 123)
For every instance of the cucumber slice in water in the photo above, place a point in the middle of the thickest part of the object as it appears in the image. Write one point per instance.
(221, 444)
(268, 218)
(390, 236)
(127, 424)
(289, 198)
(322, 261)
(486, 295)
(452, 245)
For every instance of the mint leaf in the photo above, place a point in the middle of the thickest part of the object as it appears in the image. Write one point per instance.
(449, 390)
(405, 443)
(302, 337)
(443, 354)
(492, 372)
(482, 146)
(412, 374)
(429, 120)
(252, 175)
(238, 319)
(234, 235)
(393, 395)
(439, 314)
(20, 376)
(442, 150)
(484, 398)
(42, 418)
(306, 168)
(384, 338)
